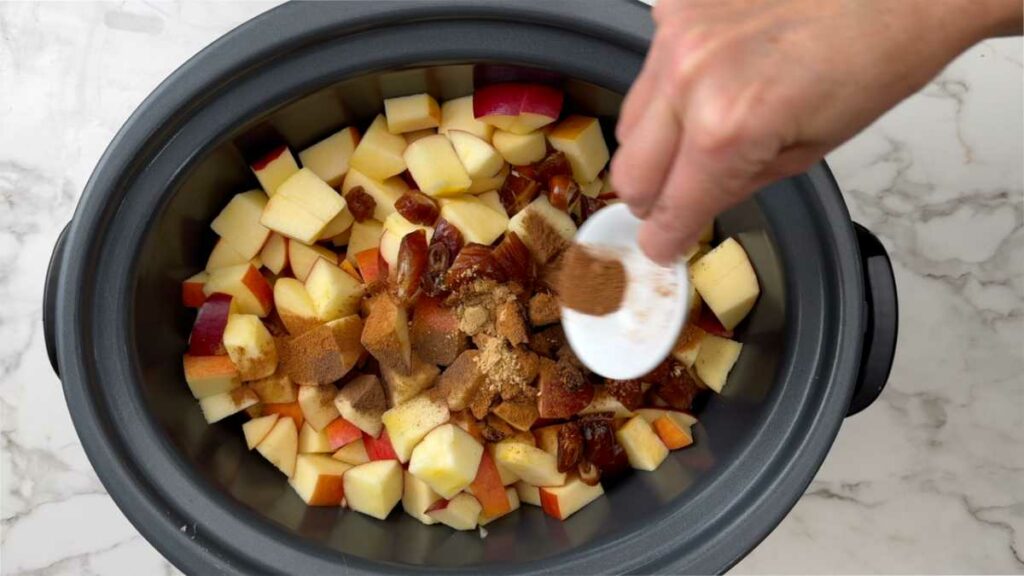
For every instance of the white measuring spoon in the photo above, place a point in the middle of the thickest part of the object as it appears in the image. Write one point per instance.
(634, 339)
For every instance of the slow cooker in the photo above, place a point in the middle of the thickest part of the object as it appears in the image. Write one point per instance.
(818, 345)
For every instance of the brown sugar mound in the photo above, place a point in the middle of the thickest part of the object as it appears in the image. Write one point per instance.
(590, 282)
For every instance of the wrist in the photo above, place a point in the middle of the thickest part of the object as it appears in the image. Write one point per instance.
(983, 19)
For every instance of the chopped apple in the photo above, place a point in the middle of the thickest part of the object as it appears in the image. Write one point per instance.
(672, 435)
(384, 193)
(401, 386)
(457, 114)
(274, 168)
(407, 424)
(317, 403)
(460, 513)
(459, 383)
(520, 149)
(643, 447)
(399, 227)
(319, 480)
(239, 223)
(372, 267)
(250, 290)
(312, 441)
(688, 346)
(341, 432)
(716, 358)
(582, 141)
(681, 418)
(281, 445)
(513, 504)
(302, 207)
(390, 243)
(220, 406)
(333, 292)
(529, 463)
(256, 430)
(329, 157)
(726, 282)
(417, 497)
(379, 448)
(192, 290)
(302, 258)
(386, 334)
(374, 488)
(605, 402)
(250, 346)
(528, 493)
(562, 501)
(477, 221)
(343, 238)
(540, 225)
(517, 107)
(508, 478)
(341, 223)
(275, 253)
(365, 236)
(434, 334)
(547, 438)
(294, 306)
(447, 459)
(488, 488)
(415, 135)
(350, 270)
(210, 375)
(479, 158)
(224, 255)
(493, 200)
(481, 185)
(435, 167)
(591, 189)
(277, 388)
(362, 402)
(353, 453)
(379, 153)
(207, 337)
(289, 410)
(411, 113)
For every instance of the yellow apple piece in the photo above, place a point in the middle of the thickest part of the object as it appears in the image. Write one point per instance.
(334, 292)
(294, 306)
(562, 501)
(415, 135)
(478, 157)
(411, 113)
(224, 255)
(399, 227)
(508, 478)
(446, 459)
(726, 282)
(329, 157)
(386, 334)
(407, 424)
(528, 493)
(210, 375)
(362, 402)
(417, 497)
(277, 388)
(275, 253)
(256, 430)
(513, 501)
(436, 167)
(681, 418)
(605, 402)
(250, 346)
(239, 223)
(403, 385)
(342, 222)
(477, 221)
(457, 114)
(353, 453)
(317, 405)
(281, 445)
(535, 224)
(390, 243)
(274, 168)
(374, 488)
(302, 207)
(365, 235)
(520, 149)
(220, 406)
(303, 257)
(643, 447)
(384, 192)
(493, 201)
(581, 140)
(529, 463)
(460, 513)
(495, 182)
(715, 360)
(250, 291)
(319, 479)
(379, 153)
(591, 189)
(312, 441)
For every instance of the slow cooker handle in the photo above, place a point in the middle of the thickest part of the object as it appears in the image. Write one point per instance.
(50, 299)
(881, 322)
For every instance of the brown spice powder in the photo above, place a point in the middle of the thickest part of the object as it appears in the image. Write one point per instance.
(544, 242)
(508, 371)
(591, 282)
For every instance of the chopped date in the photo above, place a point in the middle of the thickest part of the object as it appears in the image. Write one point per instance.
(417, 207)
(553, 164)
(628, 392)
(588, 473)
(570, 446)
(412, 263)
(589, 206)
(438, 262)
(360, 204)
(600, 446)
(517, 191)
(474, 262)
(447, 234)
(562, 191)
(513, 257)
(678, 387)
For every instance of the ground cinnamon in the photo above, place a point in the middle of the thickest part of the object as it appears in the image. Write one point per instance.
(591, 282)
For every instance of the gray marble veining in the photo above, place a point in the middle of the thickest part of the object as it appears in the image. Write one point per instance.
(930, 479)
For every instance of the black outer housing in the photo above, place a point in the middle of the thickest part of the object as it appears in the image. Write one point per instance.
(806, 364)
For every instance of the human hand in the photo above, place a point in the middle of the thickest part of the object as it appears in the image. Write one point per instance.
(735, 94)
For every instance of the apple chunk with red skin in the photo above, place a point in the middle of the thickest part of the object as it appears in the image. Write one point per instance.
(374, 488)
(407, 424)
(220, 406)
(460, 513)
(362, 402)
(274, 168)
(319, 479)
(192, 290)
(256, 430)
(250, 290)
(447, 459)
(207, 337)
(517, 107)
(562, 501)
(210, 375)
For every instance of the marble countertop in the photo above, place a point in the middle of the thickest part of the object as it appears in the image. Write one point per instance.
(929, 479)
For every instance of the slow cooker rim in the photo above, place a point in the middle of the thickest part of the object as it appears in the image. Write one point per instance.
(93, 199)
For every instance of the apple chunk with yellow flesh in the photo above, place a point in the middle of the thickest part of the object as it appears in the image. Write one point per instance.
(256, 430)
(250, 291)
(446, 459)
(374, 488)
(281, 445)
(479, 158)
(317, 404)
(540, 223)
(460, 513)
(529, 463)
(223, 255)
(313, 442)
(407, 424)
(726, 282)
(457, 114)
(384, 192)
(528, 493)
(582, 141)
(411, 113)
(417, 497)
(671, 426)
(477, 221)
(379, 153)
(319, 479)
(294, 306)
(365, 236)
(436, 167)
(220, 406)
(303, 257)
(513, 504)
(250, 346)
(353, 453)
(275, 253)
(362, 402)
(520, 149)
(302, 207)
(340, 224)
(239, 223)
(517, 107)
(329, 157)
(274, 168)
(643, 447)
(210, 375)
(334, 292)
(562, 501)
(715, 360)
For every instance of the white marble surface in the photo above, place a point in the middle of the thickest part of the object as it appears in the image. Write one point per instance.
(930, 479)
